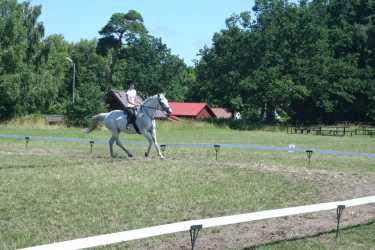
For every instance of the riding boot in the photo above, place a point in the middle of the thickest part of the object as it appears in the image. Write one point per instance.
(132, 116)
(136, 127)
(129, 115)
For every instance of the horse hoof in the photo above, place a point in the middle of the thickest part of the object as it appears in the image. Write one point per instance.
(162, 158)
(130, 155)
(146, 155)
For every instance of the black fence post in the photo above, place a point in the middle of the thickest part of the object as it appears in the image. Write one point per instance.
(194, 230)
(339, 211)
(309, 154)
(27, 139)
(91, 145)
(217, 148)
(163, 147)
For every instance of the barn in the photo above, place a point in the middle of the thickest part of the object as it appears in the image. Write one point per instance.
(116, 99)
(222, 113)
(191, 110)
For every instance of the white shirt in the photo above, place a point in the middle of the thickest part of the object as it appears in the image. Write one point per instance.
(132, 97)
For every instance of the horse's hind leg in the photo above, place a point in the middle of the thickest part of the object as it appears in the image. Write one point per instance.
(111, 142)
(118, 142)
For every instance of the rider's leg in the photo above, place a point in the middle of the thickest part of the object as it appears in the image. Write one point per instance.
(129, 116)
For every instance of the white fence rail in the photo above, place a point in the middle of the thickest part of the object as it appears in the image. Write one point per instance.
(194, 225)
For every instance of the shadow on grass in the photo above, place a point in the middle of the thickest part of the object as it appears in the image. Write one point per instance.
(274, 243)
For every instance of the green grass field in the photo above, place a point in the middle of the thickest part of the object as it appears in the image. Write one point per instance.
(56, 191)
(202, 132)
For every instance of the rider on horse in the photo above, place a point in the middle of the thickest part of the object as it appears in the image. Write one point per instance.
(131, 105)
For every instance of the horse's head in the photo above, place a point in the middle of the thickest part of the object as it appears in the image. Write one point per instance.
(163, 103)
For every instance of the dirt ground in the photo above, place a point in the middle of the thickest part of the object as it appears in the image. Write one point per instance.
(334, 186)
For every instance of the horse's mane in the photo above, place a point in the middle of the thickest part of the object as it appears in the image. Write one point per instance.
(149, 98)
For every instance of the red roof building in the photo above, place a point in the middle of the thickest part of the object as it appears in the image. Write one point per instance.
(117, 100)
(191, 110)
(222, 113)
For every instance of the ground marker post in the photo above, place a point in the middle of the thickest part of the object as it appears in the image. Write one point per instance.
(194, 230)
(91, 145)
(339, 211)
(309, 154)
(27, 139)
(163, 147)
(217, 148)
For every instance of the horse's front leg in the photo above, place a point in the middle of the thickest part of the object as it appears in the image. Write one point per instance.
(157, 147)
(150, 136)
(149, 139)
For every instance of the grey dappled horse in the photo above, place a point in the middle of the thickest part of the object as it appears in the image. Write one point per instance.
(116, 122)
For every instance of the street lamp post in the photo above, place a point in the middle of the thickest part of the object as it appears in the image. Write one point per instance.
(74, 75)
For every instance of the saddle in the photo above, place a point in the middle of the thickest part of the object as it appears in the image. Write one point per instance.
(131, 118)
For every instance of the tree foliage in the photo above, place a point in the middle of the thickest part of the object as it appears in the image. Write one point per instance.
(312, 61)
(308, 61)
(36, 77)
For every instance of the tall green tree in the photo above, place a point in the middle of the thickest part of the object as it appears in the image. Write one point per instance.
(151, 64)
(132, 54)
(311, 60)
(36, 77)
(21, 35)
(123, 29)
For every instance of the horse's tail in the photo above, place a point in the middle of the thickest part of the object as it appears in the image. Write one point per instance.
(95, 120)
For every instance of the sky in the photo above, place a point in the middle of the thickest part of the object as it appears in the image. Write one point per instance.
(185, 26)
